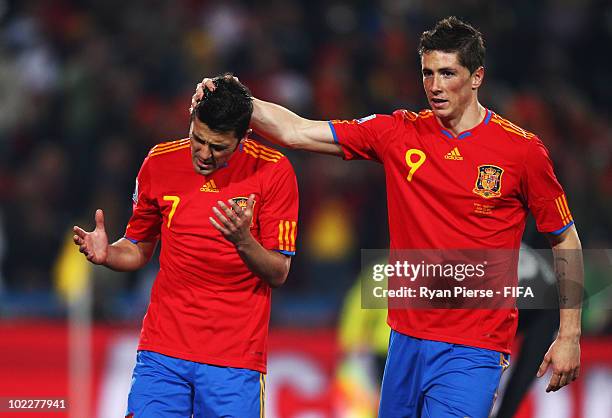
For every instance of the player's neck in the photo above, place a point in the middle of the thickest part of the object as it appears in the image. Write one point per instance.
(471, 117)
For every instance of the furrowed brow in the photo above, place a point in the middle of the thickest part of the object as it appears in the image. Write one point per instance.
(210, 144)
(196, 137)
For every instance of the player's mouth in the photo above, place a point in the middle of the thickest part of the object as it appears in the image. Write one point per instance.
(438, 103)
(205, 165)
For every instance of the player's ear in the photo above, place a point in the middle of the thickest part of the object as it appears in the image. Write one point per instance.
(477, 77)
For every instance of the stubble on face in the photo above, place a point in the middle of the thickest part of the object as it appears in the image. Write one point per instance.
(209, 150)
(447, 84)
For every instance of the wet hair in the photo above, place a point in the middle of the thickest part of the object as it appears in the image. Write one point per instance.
(228, 109)
(453, 35)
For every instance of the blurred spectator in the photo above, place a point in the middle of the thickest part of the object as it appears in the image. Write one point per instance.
(88, 87)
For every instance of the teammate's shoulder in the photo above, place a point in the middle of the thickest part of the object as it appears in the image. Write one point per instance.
(168, 148)
(375, 120)
(260, 152)
(409, 116)
(511, 129)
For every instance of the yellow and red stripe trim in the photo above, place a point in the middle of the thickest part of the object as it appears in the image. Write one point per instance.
(169, 147)
(563, 209)
(281, 244)
(259, 151)
(286, 235)
(424, 114)
(168, 144)
(169, 150)
(511, 127)
(269, 150)
(262, 395)
(255, 155)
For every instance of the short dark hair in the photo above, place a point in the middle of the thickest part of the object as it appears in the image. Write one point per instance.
(454, 35)
(228, 109)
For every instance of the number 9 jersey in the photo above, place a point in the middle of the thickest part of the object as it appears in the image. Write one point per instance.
(470, 191)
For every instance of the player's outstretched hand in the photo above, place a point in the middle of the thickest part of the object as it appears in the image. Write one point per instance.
(564, 358)
(207, 83)
(93, 244)
(233, 221)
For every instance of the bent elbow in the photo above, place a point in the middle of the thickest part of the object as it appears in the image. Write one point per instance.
(280, 277)
(278, 281)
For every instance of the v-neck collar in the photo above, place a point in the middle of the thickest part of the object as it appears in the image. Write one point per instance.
(469, 132)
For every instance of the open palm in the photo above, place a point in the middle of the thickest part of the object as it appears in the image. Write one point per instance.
(93, 244)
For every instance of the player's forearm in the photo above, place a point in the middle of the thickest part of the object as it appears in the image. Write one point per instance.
(276, 123)
(287, 129)
(270, 266)
(569, 271)
(124, 255)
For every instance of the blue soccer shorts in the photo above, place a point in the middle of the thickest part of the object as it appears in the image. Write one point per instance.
(167, 387)
(433, 379)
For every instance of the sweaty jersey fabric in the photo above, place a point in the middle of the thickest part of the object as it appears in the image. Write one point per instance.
(472, 191)
(206, 305)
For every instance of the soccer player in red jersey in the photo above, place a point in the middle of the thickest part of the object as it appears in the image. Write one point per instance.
(458, 176)
(225, 208)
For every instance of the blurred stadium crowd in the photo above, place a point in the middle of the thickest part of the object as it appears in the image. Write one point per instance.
(87, 87)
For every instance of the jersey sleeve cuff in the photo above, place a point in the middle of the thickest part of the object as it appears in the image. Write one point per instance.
(289, 253)
(333, 130)
(560, 231)
(345, 153)
(132, 240)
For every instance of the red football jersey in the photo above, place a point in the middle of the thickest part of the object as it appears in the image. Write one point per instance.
(206, 305)
(472, 191)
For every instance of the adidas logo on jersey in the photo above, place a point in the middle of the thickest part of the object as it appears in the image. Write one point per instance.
(454, 155)
(209, 187)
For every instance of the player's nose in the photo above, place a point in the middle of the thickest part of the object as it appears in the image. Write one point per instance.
(204, 152)
(435, 84)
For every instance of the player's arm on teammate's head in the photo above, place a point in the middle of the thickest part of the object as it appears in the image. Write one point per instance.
(122, 255)
(564, 353)
(282, 126)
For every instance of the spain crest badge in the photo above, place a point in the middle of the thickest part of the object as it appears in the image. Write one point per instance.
(488, 183)
(241, 201)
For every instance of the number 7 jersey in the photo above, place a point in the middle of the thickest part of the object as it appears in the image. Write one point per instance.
(206, 305)
(470, 191)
